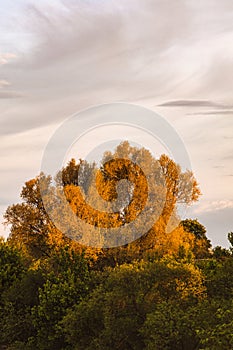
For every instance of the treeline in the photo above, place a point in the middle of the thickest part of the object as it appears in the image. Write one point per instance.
(167, 289)
(71, 301)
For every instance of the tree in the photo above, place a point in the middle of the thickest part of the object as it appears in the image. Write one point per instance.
(114, 312)
(230, 239)
(16, 321)
(202, 244)
(35, 298)
(30, 224)
(18, 291)
(12, 266)
(65, 285)
(33, 230)
(171, 326)
(203, 325)
(214, 324)
(220, 253)
(220, 284)
(168, 184)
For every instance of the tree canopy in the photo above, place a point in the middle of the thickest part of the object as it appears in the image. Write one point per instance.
(98, 197)
(166, 289)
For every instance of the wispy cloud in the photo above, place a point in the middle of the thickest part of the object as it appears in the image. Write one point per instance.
(224, 112)
(9, 94)
(6, 92)
(193, 103)
(212, 206)
(4, 83)
(218, 166)
(6, 57)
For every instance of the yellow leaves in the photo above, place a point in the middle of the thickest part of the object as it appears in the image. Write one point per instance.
(176, 238)
(130, 182)
(106, 182)
(165, 243)
(192, 285)
(55, 238)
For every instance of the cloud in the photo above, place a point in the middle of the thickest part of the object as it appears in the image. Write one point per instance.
(87, 53)
(212, 206)
(193, 103)
(218, 166)
(230, 112)
(10, 94)
(4, 83)
(6, 57)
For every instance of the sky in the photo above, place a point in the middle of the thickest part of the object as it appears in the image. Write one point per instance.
(173, 57)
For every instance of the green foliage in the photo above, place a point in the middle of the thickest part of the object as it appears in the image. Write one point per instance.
(202, 244)
(11, 266)
(16, 319)
(214, 325)
(36, 300)
(65, 286)
(220, 253)
(157, 304)
(114, 312)
(220, 285)
(174, 326)
(194, 227)
(171, 326)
